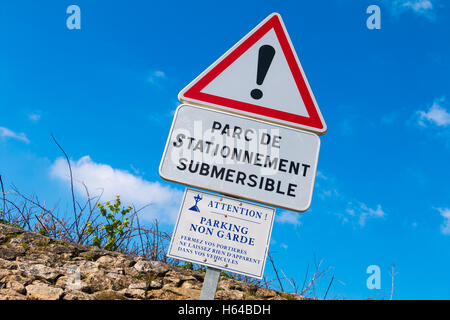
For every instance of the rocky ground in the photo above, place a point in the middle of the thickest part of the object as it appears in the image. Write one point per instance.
(33, 266)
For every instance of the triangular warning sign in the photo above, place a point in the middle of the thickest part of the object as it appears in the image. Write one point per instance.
(260, 77)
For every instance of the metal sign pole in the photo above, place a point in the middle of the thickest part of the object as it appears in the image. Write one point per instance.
(210, 284)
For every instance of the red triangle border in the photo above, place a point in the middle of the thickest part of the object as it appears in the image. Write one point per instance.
(314, 120)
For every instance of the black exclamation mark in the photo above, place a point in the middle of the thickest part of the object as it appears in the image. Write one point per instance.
(265, 58)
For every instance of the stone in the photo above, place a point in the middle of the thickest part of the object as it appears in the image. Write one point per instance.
(95, 282)
(191, 285)
(37, 258)
(266, 293)
(4, 273)
(9, 294)
(142, 266)
(67, 256)
(88, 267)
(16, 286)
(156, 267)
(229, 295)
(9, 265)
(142, 285)
(108, 295)
(60, 249)
(160, 268)
(9, 230)
(177, 278)
(229, 284)
(106, 260)
(134, 293)
(155, 284)
(11, 253)
(91, 255)
(119, 282)
(116, 271)
(172, 281)
(130, 271)
(31, 237)
(121, 262)
(42, 291)
(33, 266)
(39, 271)
(76, 295)
(16, 241)
(182, 293)
(17, 277)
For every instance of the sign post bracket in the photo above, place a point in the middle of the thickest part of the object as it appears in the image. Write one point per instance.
(210, 284)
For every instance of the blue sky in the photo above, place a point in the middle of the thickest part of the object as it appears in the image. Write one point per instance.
(108, 92)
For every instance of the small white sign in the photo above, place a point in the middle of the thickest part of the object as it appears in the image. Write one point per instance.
(241, 157)
(222, 233)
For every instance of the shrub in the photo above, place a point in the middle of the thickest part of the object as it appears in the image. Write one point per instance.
(113, 229)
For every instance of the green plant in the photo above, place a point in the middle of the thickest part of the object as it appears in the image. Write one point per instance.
(140, 277)
(89, 257)
(5, 222)
(114, 227)
(287, 296)
(187, 265)
(226, 275)
(145, 277)
(61, 243)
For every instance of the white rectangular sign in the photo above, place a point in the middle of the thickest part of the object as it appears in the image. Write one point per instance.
(241, 157)
(222, 233)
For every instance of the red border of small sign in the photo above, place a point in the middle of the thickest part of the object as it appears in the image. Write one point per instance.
(273, 23)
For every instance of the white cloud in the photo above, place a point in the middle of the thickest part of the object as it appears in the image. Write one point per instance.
(35, 117)
(325, 186)
(156, 76)
(418, 6)
(360, 212)
(445, 226)
(436, 115)
(9, 134)
(363, 212)
(164, 201)
(159, 74)
(321, 175)
(288, 217)
(424, 8)
(347, 208)
(164, 113)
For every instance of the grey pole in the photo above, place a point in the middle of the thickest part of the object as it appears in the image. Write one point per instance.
(210, 284)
